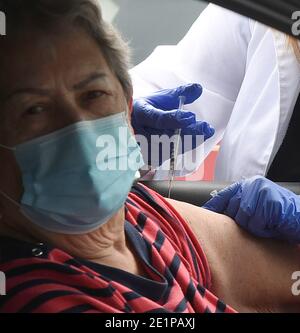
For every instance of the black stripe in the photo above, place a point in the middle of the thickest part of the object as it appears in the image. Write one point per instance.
(221, 307)
(20, 287)
(159, 310)
(100, 292)
(201, 290)
(159, 240)
(78, 309)
(44, 298)
(170, 280)
(17, 271)
(194, 258)
(175, 264)
(127, 308)
(141, 221)
(168, 276)
(73, 262)
(191, 291)
(149, 251)
(181, 307)
(131, 295)
(207, 310)
(132, 203)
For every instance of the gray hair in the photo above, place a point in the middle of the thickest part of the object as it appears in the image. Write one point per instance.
(50, 14)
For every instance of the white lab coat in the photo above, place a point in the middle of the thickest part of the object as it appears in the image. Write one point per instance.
(251, 80)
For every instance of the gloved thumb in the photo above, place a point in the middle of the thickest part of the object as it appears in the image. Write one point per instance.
(220, 202)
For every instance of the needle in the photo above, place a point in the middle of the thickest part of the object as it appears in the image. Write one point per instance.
(174, 152)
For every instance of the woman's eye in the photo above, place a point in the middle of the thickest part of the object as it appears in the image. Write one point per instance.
(94, 95)
(35, 110)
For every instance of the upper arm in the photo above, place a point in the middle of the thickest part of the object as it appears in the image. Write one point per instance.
(248, 273)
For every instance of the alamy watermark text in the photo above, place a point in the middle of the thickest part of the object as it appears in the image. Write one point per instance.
(2, 284)
(296, 24)
(2, 24)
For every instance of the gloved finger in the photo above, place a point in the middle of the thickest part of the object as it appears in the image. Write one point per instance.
(255, 224)
(168, 99)
(155, 118)
(159, 132)
(199, 128)
(241, 218)
(196, 133)
(234, 205)
(220, 202)
(289, 234)
(256, 228)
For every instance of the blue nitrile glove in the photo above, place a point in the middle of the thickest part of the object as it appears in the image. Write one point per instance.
(158, 115)
(261, 207)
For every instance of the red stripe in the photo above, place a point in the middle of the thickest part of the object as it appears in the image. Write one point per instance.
(63, 303)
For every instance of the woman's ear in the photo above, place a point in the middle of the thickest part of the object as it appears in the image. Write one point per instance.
(130, 106)
(130, 109)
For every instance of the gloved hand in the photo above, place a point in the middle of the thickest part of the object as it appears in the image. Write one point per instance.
(158, 115)
(261, 207)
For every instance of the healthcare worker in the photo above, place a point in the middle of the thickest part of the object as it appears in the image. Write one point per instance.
(251, 81)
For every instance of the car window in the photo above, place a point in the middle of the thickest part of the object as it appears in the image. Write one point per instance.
(134, 18)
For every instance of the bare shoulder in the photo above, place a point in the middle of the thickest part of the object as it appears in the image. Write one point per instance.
(207, 226)
(248, 273)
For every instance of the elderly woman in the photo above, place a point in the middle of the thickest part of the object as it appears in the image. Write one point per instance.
(72, 238)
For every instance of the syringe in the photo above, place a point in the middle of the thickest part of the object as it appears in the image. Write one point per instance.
(175, 151)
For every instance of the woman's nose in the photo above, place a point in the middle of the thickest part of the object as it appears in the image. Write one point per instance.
(70, 112)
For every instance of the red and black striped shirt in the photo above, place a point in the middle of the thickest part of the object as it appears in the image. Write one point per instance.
(48, 280)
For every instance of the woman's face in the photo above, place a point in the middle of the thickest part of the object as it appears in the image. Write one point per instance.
(47, 82)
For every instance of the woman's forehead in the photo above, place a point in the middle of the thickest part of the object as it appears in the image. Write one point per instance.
(36, 56)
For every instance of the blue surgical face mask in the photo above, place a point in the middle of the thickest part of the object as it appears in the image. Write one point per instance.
(77, 178)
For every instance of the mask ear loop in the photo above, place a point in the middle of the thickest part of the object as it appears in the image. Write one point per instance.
(3, 193)
(9, 148)
(10, 199)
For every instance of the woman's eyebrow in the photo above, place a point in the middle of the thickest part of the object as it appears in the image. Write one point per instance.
(23, 91)
(92, 77)
(44, 92)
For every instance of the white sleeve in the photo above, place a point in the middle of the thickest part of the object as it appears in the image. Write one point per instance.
(214, 54)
